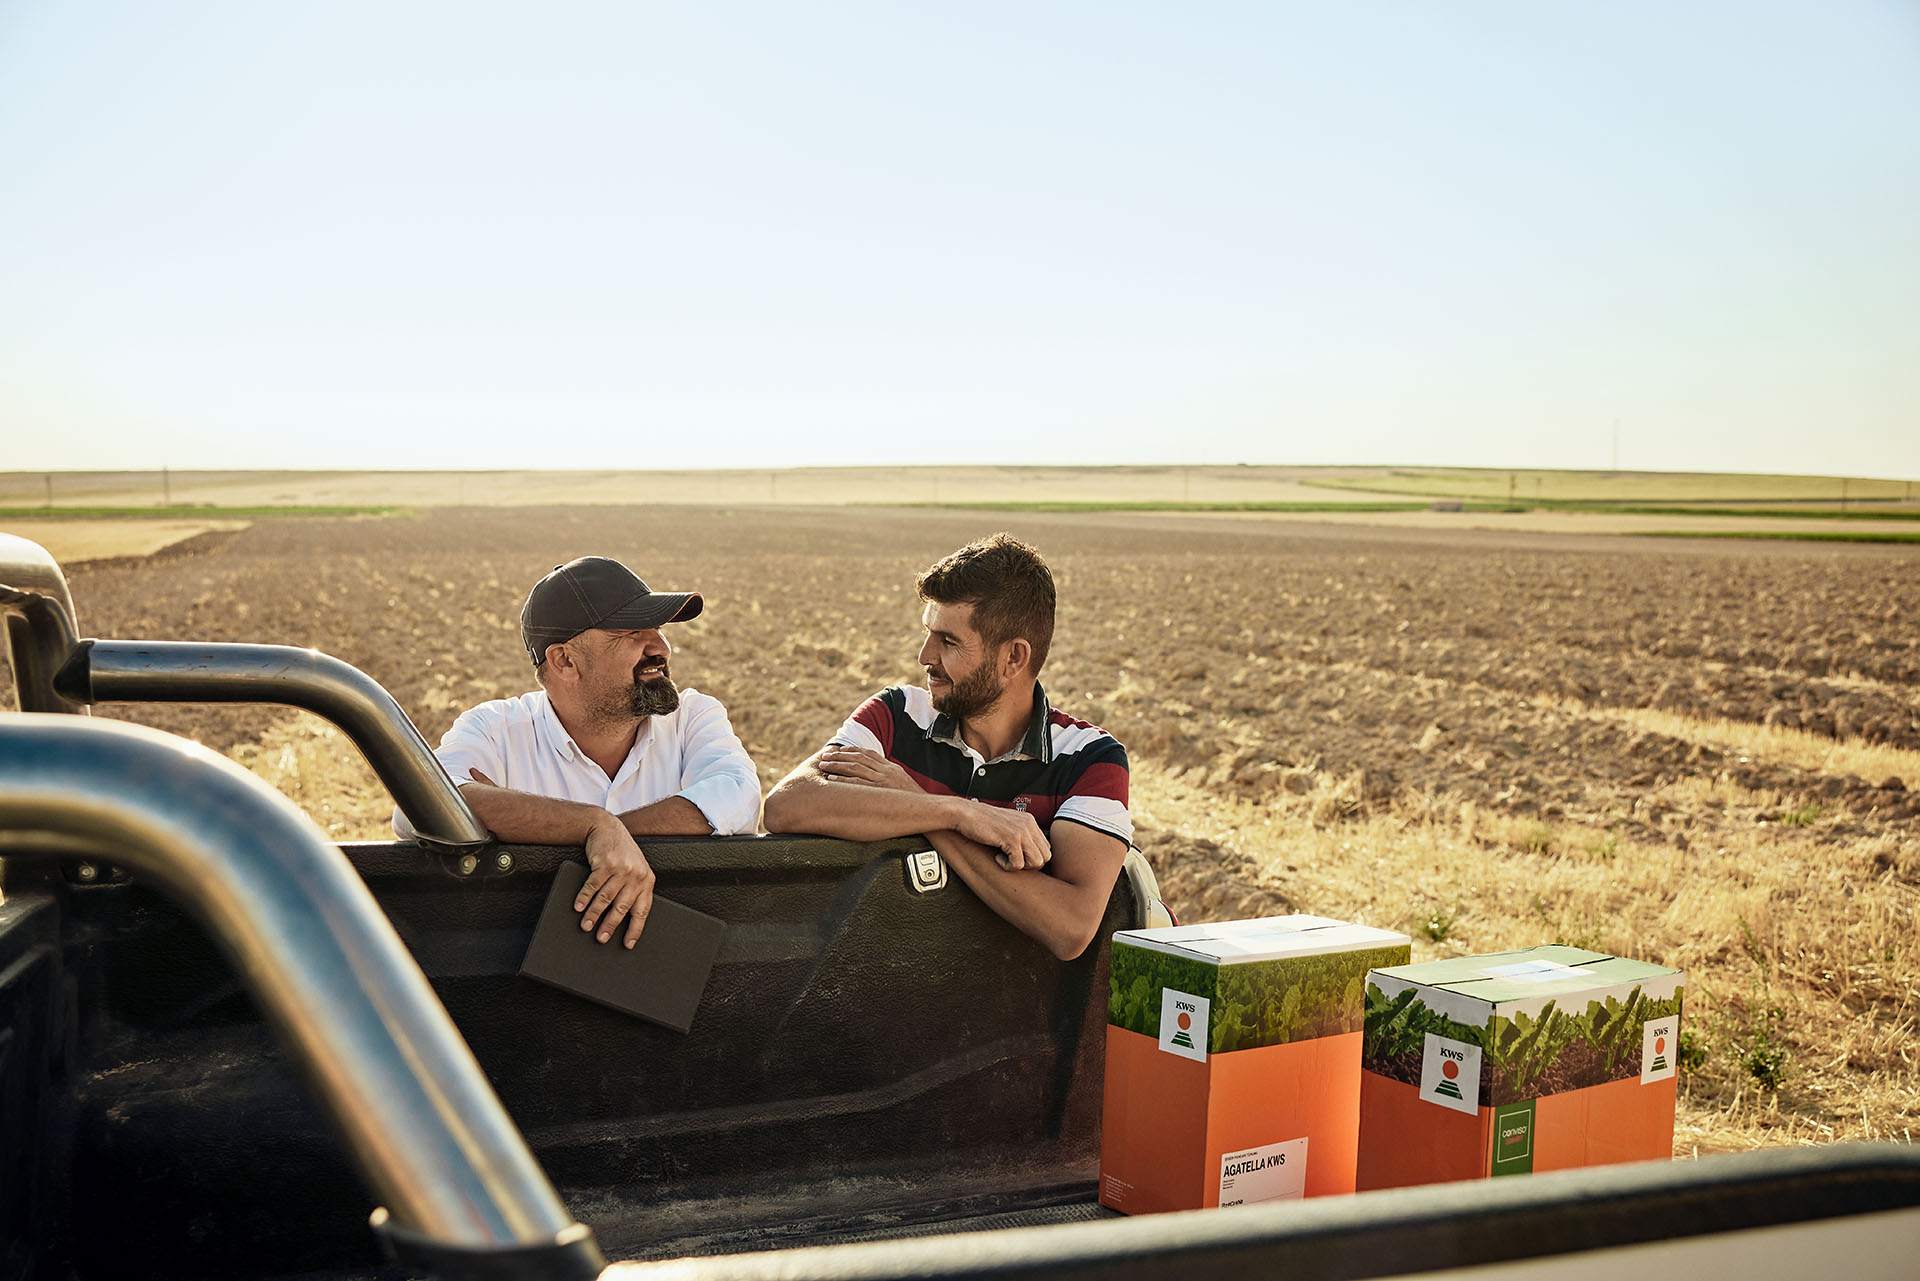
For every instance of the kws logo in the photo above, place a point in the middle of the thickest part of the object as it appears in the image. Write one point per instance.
(1659, 1049)
(1183, 1024)
(1450, 1074)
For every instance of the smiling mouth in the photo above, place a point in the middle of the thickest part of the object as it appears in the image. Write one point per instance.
(650, 670)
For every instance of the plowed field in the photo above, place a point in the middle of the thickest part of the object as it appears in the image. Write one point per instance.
(1695, 753)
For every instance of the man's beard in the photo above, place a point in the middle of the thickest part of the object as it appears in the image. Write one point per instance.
(653, 696)
(971, 695)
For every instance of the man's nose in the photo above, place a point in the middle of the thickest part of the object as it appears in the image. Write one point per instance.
(926, 648)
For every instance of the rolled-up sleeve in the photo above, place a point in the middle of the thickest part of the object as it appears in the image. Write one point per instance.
(716, 773)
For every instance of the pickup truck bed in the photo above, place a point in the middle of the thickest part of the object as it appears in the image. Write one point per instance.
(866, 1057)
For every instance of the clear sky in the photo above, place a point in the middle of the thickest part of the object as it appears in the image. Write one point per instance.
(680, 235)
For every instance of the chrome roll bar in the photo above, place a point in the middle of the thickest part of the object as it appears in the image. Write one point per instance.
(55, 672)
(40, 627)
(303, 931)
(110, 671)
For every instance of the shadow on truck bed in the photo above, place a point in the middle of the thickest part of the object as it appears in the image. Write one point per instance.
(863, 1054)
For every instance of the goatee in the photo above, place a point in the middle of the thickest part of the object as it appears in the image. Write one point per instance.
(653, 696)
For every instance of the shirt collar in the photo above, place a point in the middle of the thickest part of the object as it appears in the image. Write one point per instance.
(561, 743)
(558, 741)
(1036, 744)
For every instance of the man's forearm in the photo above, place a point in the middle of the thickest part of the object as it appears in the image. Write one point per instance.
(674, 816)
(1059, 915)
(537, 820)
(810, 803)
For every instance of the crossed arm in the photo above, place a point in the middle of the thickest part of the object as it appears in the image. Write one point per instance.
(1053, 887)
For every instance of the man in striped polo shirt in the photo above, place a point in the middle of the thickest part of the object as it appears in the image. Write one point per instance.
(1026, 804)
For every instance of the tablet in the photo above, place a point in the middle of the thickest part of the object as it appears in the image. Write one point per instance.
(660, 980)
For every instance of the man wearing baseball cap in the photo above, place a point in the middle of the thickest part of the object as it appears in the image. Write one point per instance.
(607, 749)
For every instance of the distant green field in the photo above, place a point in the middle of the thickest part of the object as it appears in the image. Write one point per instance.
(1543, 487)
(1750, 513)
(185, 513)
(1808, 536)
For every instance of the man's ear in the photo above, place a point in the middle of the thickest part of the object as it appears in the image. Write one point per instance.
(1014, 657)
(560, 658)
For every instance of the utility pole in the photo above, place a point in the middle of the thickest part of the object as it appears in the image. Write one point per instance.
(49, 489)
(166, 487)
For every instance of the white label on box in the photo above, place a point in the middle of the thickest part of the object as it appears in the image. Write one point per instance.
(1183, 1024)
(1659, 1049)
(1276, 1172)
(1537, 972)
(1450, 1075)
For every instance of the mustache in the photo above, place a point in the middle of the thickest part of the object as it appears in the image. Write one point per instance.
(649, 667)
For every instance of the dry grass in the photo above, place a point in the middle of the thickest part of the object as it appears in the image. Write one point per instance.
(1788, 943)
(73, 542)
(320, 770)
(1871, 761)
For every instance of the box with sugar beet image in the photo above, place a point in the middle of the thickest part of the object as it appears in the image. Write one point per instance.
(1233, 1061)
(1542, 1059)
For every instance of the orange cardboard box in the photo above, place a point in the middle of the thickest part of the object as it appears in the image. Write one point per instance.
(1541, 1059)
(1233, 1061)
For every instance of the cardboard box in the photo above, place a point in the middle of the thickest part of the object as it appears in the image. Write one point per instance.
(1541, 1059)
(1233, 1061)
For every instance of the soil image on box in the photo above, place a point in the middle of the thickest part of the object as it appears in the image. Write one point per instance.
(1524, 1057)
(1701, 754)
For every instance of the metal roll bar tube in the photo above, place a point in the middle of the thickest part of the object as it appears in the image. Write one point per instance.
(109, 671)
(302, 930)
(40, 626)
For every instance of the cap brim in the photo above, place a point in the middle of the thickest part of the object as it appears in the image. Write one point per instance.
(653, 609)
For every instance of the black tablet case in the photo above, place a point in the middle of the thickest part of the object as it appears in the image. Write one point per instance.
(660, 980)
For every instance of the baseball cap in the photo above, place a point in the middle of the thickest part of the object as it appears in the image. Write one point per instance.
(595, 592)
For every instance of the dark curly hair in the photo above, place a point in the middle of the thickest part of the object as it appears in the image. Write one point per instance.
(1008, 585)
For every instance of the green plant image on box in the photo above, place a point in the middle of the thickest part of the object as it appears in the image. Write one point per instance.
(1398, 1027)
(1135, 976)
(1525, 1056)
(1254, 1003)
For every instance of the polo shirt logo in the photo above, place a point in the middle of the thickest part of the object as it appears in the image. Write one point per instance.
(1020, 803)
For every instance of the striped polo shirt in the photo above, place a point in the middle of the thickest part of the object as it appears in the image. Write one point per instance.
(1063, 769)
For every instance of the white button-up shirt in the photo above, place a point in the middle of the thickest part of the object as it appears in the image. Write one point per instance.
(691, 751)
